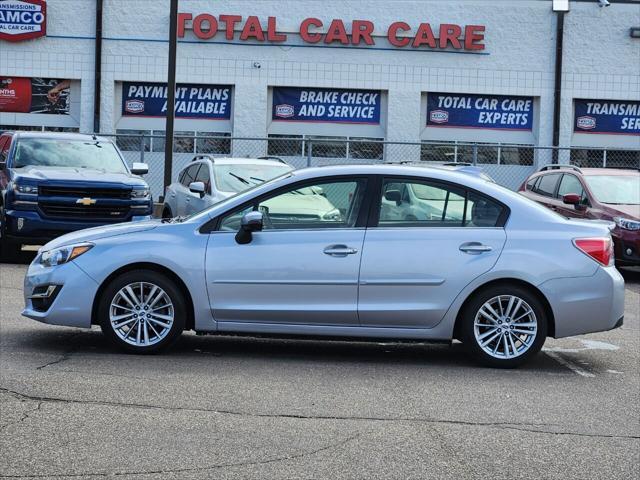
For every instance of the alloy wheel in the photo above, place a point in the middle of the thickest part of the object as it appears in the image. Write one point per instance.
(505, 327)
(141, 314)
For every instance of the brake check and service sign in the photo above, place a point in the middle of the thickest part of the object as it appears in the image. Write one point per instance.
(291, 104)
(607, 117)
(22, 19)
(492, 112)
(144, 99)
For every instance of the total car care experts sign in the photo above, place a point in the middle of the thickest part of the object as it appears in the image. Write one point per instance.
(607, 117)
(293, 104)
(336, 31)
(22, 19)
(492, 112)
(209, 102)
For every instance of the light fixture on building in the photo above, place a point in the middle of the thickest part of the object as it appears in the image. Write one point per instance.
(560, 5)
(634, 32)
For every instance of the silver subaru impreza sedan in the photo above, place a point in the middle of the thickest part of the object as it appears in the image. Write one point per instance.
(469, 260)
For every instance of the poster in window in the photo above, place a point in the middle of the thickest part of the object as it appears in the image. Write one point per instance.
(34, 95)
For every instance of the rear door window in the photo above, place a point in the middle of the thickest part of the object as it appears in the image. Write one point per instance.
(547, 185)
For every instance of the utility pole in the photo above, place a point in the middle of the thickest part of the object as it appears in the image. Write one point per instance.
(171, 93)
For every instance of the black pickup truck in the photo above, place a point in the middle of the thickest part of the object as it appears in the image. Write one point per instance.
(54, 183)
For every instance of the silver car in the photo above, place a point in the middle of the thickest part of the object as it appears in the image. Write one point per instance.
(207, 180)
(493, 269)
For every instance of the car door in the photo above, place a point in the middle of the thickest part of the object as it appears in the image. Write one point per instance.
(413, 268)
(545, 190)
(195, 202)
(571, 184)
(302, 268)
(184, 195)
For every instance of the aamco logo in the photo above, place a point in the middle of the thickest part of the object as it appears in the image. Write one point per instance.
(439, 116)
(285, 111)
(22, 19)
(134, 106)
(586, 123)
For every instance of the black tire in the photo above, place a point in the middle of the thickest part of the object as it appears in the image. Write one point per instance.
(146, 277)
(9, 251)
(532, 342)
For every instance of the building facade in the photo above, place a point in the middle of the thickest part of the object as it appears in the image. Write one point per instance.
(392, 70)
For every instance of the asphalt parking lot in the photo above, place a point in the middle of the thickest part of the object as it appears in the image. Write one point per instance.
(224, 407)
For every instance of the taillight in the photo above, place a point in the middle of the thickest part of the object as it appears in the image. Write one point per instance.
(600, 249)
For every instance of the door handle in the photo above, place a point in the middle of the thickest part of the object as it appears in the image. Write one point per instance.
(475, 248)
(339, 250)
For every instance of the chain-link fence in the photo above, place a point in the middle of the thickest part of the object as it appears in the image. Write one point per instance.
(508, 165)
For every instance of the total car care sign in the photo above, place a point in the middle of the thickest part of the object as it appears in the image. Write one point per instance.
(490, 112)
(22, 19)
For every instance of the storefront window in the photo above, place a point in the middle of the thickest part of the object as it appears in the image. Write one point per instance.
(212, 142)
(133, 140)
(486, 153)
(599, 158)
(285, 145)
(366, 148)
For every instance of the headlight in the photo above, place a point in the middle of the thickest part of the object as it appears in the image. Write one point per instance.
(60, 255)
(140, 193)
(29, 189)
(627, 224)
(332, 216)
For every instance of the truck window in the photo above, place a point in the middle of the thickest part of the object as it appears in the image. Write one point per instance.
(49, 152)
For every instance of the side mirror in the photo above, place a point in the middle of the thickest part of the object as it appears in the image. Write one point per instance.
(139, 168)
(198, 188)
(575, 200)
(251, 222)
(393, 196)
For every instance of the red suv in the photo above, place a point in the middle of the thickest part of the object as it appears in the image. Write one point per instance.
(593, 194)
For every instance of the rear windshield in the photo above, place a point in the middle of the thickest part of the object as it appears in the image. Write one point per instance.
(49, 152)
(615, 189)
(242, 176)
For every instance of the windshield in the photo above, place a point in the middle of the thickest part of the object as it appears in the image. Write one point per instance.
(241, 176)
(616, 189)
(49, 152)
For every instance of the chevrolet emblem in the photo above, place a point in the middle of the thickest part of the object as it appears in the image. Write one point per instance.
(86, 201)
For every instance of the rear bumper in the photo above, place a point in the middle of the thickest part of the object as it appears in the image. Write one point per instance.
(29, 227)
(586, 304)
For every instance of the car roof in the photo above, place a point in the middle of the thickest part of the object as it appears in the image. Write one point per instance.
(239, 161)
(61, 136)
(589, 171)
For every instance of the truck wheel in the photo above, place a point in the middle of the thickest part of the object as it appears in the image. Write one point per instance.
(9, 251)
(142, 312)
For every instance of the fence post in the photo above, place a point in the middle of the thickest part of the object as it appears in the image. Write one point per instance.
(604, 158)
(142, 148)
(475, 154)
(309, 152)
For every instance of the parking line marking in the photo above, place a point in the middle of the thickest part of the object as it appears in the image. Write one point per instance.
(570, 365)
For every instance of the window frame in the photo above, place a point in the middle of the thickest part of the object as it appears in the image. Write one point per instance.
(213, 225)
(553, 194)
(376, 203)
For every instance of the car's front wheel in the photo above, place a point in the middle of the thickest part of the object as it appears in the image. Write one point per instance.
(142, 311)
(503, 326)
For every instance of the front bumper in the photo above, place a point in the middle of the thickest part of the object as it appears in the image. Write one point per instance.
(627, 247)
(73, 302)
(28, 226)
(586, 304)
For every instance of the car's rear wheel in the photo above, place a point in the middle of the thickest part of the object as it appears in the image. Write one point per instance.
(142, 312)
(503, 326)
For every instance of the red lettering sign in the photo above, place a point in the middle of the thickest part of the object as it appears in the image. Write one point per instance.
(399, 34)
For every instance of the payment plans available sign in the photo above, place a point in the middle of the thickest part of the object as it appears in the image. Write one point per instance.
(326, 105)
(22, 19)
(492, 112)
(208, 102)
(607, 117)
